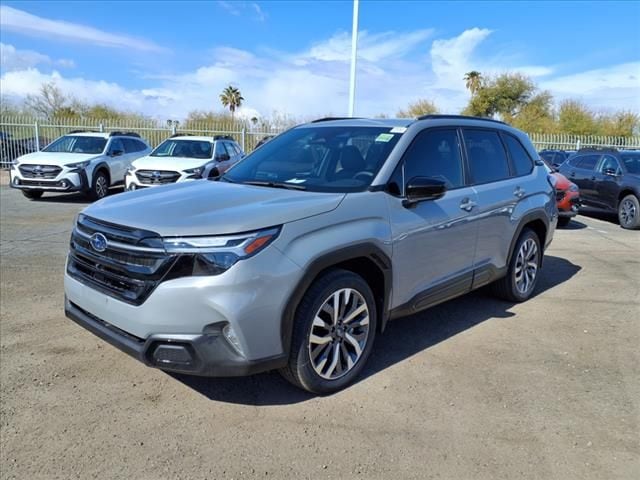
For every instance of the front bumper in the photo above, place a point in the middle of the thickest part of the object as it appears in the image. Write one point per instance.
(65, 182)
(203, 354)
(569, 205)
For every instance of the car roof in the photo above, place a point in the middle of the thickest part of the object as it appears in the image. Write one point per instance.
(435, 119)
(89, 134)
(197, 138)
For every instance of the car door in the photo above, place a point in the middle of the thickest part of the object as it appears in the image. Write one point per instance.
(606, 182)
(221, 157)
(117, 159)
(580, 170)
(233, 153)
(434, 240)
(498, 190)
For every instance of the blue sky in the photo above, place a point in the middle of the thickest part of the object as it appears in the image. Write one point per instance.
(167, 58)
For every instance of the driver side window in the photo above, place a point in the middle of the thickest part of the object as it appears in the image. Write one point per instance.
(435, 154)
(608, 163)
(220, 150)
(116, 145)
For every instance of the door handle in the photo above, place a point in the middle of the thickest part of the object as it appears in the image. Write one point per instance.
(467, 205)
(519, 192)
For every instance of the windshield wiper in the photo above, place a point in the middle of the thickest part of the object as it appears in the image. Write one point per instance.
(288, 186)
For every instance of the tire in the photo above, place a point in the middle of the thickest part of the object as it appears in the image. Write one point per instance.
(32, 194)
(100, 186)
(563, 221)
(629, 212)
(512, 288)
(312, 365)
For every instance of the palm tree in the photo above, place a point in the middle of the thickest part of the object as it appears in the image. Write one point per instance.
(231, 98)
(474, 81)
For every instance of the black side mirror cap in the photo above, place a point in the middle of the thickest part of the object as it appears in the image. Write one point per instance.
(420, 189)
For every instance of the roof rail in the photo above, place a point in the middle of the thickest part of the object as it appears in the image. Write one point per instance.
(457, 117)
(223, 137)
(182, 135)
(598, 149)
(82, 131)
(124, 134)
(328, 119)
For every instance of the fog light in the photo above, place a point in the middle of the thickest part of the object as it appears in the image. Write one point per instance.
(16, 181)
(64, 184)
(132, 187)
(230, 334)
(168, 355)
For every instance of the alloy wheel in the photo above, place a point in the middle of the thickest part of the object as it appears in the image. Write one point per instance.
(526, 266)
(101, 186)
(627, 212)
(339, 333)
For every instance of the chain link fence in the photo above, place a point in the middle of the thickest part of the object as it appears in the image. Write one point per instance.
(22, 135)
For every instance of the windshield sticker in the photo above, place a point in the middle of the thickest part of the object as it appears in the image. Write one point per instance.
(384, 137)
(398, 130)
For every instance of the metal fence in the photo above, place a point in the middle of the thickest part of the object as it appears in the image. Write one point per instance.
(21, 135)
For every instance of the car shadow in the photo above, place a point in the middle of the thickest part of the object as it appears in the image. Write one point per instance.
(402, 339)
(600, 215)
(79, 198)
(573, 225)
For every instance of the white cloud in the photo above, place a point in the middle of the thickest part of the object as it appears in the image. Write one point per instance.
(27, 24)
(13, 59)
(237, 8)
(393, 69)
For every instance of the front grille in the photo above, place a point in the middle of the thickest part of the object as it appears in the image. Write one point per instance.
(157, 177)
(40, 171)
(130, 268)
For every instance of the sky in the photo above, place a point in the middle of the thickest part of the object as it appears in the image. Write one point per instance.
(165, 59)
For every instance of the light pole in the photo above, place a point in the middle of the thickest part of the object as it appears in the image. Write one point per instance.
(354, 54)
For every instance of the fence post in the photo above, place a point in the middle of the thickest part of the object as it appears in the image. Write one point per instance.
(578, 145)
(242, 137)
(173, 128)
(101, 127)
(37, 130)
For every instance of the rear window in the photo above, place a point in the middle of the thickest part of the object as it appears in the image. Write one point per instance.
(631, 162)
(519, 156)
(487, 158)
(586, 162)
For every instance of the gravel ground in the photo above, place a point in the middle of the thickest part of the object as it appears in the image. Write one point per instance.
(473, 389)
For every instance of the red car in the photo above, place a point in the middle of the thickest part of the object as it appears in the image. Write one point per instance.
(568, 198)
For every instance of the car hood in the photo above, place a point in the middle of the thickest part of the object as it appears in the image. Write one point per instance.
(205, 207)
(55, 158)
(175, 164)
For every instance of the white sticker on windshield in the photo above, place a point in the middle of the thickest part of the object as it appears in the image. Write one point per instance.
(296, 180)
(398, 130)
(384, 137)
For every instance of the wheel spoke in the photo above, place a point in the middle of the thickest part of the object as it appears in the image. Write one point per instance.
(355, 313)
(317, 340)
(353, 342)
(334, 360)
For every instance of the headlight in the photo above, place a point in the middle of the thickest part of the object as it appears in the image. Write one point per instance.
(573, 188)
(131, 170)
(78, 165)
(216, 254)
(195, 172)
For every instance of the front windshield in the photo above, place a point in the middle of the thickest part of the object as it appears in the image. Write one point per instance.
(183, 148)
(318, 158)
(632, 162)
(77, 144)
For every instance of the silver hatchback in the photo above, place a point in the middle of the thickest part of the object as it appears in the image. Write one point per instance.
(299, 255)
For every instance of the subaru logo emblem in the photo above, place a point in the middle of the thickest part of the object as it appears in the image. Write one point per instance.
(156, 175)
(98, 242)
(37, 170)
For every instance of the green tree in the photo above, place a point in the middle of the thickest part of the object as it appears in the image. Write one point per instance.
(619, 124)
(418, 108)
(536, 116)
(231, 98)
(504, 95)
(576, 118)
(473, 81)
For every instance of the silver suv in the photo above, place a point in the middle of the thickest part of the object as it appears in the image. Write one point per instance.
(300, 254)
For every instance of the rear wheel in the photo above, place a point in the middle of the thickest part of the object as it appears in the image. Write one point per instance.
(333, 333)
(32, 194)
(629, 212)
(100, 186)
(563, 221)
(522, 275)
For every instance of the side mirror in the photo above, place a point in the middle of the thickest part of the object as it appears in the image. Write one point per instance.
(422, 188)
(116, 153)
(612, 172)
(223, 157)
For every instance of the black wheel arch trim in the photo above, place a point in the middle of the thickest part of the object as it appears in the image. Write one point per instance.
(524, 221)
(97, 168)
(361, 250)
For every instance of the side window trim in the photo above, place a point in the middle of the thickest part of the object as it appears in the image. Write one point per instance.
(512, 166)
(602, 161)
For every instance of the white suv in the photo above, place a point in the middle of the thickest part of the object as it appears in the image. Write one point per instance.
(184, 157)
(88, 162)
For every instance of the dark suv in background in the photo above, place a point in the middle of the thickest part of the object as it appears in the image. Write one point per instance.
(609, 180)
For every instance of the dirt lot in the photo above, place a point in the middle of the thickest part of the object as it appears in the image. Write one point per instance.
(472, 389)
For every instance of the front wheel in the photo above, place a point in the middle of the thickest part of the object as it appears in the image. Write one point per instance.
(524, 267)
(629, 212)
(333, 334)
(100, 186)
(32, 194)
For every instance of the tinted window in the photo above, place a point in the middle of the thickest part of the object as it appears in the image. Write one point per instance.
(631, 162)
(519, 156)
(435, 154)
(608, 163)
(183, 148)
(587, 162)
(220, 149)
(77, 144)
(131, 145)
(231, 148)
(487, 158)
(116, 145)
